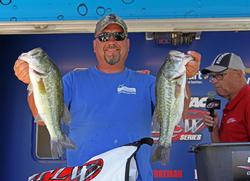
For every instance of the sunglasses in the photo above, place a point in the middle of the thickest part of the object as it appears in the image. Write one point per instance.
(105, 36)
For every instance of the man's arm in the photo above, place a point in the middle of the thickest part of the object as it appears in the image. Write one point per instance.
(192, 68)
(186, 101)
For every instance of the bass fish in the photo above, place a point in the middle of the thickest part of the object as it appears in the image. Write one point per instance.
(170, 95)
(47, 88)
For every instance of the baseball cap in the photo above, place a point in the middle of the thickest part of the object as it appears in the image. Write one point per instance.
(110, 19)
(224, 61)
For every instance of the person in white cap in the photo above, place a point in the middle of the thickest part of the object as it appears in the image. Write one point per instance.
(227, 74)
(110, 104)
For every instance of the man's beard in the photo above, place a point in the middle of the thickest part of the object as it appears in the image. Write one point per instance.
(114, 58)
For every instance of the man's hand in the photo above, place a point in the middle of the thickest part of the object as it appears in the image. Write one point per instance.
(193, 66)
(210, 121)
(21, 69)
(213, 122)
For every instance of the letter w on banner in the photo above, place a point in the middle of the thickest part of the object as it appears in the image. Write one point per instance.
(115, 165)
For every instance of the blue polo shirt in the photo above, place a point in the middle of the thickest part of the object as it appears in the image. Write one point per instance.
(108, 111)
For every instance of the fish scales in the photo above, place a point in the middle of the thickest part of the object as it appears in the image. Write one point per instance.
(50, 102)
(170, 94)
(173, 108)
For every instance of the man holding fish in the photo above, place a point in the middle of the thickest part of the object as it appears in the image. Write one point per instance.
(110, 104)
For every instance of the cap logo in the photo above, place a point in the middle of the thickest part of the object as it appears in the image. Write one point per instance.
(222, 60)
(218, 60)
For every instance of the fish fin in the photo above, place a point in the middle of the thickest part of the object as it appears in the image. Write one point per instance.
(41, 86)
(155, 123)
(161, 153)
(58, 146)
(68, 143)
(30, 89)
(66, 115)
(56, 149)
(155, 126)
(177, 90)
(37, 118)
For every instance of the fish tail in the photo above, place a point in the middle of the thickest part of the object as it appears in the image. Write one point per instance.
(58, 146)
(161, 153)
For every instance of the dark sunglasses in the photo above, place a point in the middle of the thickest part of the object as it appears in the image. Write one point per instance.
(105, 36)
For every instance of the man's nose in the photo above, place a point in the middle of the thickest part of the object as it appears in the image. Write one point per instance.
(213, 80)
(111, 38)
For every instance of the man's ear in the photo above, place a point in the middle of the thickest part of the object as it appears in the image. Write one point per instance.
(128, 44)
(94, 45)
(240, 73)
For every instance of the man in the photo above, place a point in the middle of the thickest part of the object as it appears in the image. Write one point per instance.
(227, 74)
(110, 104)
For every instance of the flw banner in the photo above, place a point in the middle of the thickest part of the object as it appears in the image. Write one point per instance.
(118, 164)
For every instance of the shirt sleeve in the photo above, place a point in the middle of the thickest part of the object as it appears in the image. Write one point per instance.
(67, 88)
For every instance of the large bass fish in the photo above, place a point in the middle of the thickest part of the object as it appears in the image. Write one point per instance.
(170, 94)
(47, 89)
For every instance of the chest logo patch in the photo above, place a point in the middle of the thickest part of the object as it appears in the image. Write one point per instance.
(231, 120)
(122, 89)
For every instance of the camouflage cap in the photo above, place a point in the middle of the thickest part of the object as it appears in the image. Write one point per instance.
(110, 19)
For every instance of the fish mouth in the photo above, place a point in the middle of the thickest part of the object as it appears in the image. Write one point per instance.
(42, 74)
(177, 77)
(37, 72)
